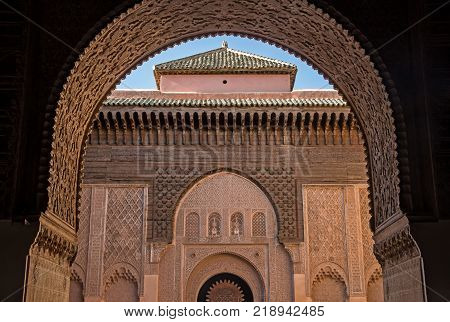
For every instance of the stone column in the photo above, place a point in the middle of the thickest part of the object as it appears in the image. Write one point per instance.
(296, 252)
(150, 288)
(47, 276)
(151, 275)
(401, 261)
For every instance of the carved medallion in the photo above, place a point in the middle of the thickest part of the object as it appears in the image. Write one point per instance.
(225, 291)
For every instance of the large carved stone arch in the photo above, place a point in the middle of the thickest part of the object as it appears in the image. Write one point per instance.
(152, 26)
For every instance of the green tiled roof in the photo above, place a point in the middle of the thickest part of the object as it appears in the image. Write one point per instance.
(225, 102)
(225, 61)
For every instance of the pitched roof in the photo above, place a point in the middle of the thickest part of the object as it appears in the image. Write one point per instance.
(224, 60)
(224, 102)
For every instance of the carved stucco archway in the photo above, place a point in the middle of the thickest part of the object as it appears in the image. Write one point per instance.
(225, 262)
(152, 26)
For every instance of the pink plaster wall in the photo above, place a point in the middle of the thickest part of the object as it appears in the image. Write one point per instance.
(241, 83)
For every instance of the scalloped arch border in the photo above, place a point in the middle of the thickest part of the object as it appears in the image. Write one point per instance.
(240, 258)
(334, 268)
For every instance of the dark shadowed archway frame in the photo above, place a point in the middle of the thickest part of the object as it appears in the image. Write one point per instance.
(152, 26)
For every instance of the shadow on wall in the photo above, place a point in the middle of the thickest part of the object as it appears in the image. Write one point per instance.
(15, 241)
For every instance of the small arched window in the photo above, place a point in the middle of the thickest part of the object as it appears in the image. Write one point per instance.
(259, 225)
(192, 225)
(214, 225)
(237, 224)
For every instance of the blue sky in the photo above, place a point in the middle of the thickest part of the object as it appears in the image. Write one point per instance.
(142, 77)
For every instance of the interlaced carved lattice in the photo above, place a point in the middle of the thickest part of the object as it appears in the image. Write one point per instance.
(192, 226)
(123, 239)
(325, 209)
(214, 225)
(170, 184)
(280, 183)
(237, 224)
(259, 225)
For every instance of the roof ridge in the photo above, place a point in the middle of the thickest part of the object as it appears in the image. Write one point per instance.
(261, 57)
(191, 56)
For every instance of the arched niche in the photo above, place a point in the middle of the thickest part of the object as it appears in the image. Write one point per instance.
(224, 263)
(121, 284)
(329, 284)
(151, 26)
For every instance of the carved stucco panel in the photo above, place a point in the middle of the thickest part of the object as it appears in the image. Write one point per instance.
(124, 221)
(367, 239)
(83, 230)
(326, 225)
(257, 255)
(97, 221)
(354, 243)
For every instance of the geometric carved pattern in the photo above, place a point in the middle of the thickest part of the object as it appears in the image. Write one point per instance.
(259, 225)
(192, 227)
(354, 243)
(368, 242)
(325, 210)
(214, 225)
(171, 183)
(83, 228)
(123, 238)
(280, 184)
(237, 225)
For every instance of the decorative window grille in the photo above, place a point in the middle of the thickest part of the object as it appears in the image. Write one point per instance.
(259, 225)
(192, 225)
